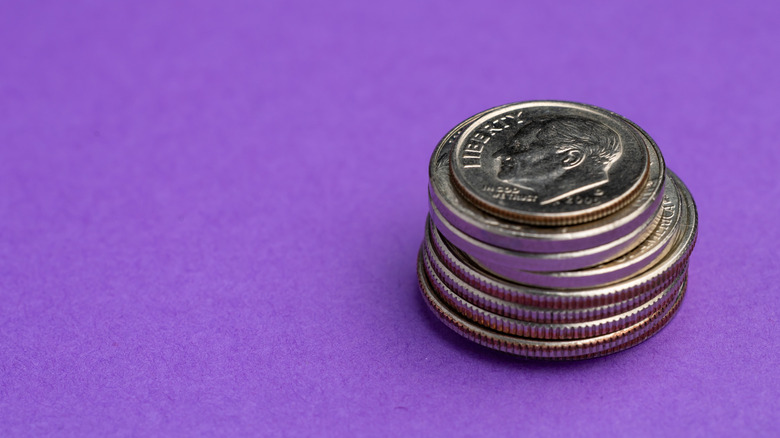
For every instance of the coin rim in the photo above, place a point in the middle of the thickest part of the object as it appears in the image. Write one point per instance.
(538, 218)
(544, 349)
(527, 238)
(551, 331)
(606, 273)
(543, 262)
(574, 299)
(536, 314)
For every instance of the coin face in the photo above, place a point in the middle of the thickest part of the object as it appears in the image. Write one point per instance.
(500, 232)
(549, 163)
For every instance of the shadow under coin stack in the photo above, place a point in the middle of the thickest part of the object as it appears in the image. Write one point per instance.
(555, 232)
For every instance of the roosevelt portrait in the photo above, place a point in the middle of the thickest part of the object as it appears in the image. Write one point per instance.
(558, 157)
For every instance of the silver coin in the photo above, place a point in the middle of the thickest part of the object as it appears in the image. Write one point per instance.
(435, 267)
(542, 349)
(526, 238)
(634, 262)
(533, 330)
(489, 255)
(550, 163)
(667, 267)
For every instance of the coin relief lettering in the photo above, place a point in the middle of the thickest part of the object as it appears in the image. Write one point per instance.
(668, 212)
(569, 163)
(472, 151)
(555, 235)
(509, 193)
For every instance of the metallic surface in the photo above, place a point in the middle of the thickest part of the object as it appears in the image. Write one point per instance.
(484, 300)
(549, 163)
(535, 330)
(525, 238)
(555, 232)
(666, 267)
(554, 350)
(488, 255)
(634, 262)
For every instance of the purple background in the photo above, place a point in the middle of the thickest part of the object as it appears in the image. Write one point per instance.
(210, 213)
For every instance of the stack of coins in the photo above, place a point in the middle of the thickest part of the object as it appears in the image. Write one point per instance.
(555, 231)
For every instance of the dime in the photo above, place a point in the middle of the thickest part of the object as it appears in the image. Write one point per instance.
(554, 232)
(534, 330)
(667, 266)
(525, 238)
(435, 267)
(489, 255)
(626, 266)
(540, 349)
(550, 163)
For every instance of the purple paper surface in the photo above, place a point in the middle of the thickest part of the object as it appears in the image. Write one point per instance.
(211, 211)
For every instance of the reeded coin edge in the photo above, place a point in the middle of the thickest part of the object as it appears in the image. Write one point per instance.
(555, 299)
(553, 219)
(540, 315)
(609, 272)
(530, 330)
(551, 350)
(550, 262)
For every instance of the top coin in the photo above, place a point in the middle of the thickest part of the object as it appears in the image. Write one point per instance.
(550, 163)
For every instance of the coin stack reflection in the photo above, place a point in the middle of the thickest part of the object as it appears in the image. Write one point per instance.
(555, 232)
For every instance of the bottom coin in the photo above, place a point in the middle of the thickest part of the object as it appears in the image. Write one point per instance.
(543, 349)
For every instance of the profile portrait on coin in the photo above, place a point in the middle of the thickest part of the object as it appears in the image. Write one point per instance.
(558, 157)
